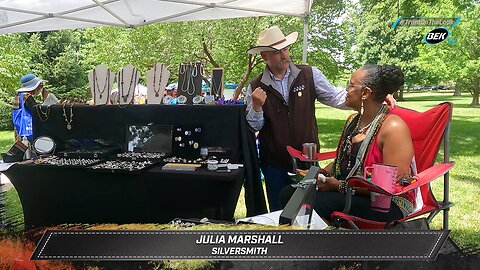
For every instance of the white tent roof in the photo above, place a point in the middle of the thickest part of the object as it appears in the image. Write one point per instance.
(44, 15)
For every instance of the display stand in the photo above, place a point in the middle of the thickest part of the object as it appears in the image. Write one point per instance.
(127, 80)
(216, 86)
(157, 80)
(190, 83)
(101, 80)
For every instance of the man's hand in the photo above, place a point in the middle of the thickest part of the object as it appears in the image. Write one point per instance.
(390, 101)
(258, 99)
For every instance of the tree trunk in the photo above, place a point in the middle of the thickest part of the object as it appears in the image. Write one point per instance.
(475, 92)
(399, 95)
(252, 63)
(458, 92)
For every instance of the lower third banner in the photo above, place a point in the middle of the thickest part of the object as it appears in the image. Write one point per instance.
(239, 245)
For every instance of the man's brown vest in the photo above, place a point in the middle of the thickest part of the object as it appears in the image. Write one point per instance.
(287, 124)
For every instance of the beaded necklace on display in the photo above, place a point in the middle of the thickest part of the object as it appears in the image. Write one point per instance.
(157, 90)
(96, 86)
(45, 114)
(68, 121)
(133, 77)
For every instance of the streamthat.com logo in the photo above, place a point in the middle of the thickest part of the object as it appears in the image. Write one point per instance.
(442, 28)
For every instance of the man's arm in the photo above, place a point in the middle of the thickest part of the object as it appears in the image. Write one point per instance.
(326, 92)
(254, 118)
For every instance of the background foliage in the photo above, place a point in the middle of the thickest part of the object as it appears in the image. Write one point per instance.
(343, 35)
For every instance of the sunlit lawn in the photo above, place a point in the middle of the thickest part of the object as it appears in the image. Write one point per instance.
(464, 150)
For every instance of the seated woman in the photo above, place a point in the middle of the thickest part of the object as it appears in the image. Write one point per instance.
(373, 135)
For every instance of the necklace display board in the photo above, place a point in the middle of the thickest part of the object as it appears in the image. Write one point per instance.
(127, 80)
(190, 83)
(216, 86)
(101, 81)
(157, 80)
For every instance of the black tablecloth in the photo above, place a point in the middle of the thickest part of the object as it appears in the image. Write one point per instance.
(52, 195)
(222, 126)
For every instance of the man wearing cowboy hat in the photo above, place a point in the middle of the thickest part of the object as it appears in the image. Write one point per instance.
(282, 107)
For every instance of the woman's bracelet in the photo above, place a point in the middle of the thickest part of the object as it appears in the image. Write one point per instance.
(342, 187)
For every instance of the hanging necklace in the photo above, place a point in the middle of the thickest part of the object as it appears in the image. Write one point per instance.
(192, 74)
(133, 77)
(44, 113)
(97, 86)
(216, 87)
(68, 121)
(183, 71)
(157, 91)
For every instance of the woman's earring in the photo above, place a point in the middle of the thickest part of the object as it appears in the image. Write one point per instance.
(361, 108)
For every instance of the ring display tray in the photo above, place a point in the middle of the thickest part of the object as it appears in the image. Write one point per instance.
(141, 156)
(122, 166)
(60, 162)
(90, 152)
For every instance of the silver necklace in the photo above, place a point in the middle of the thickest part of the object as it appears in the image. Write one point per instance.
(183, 71)
(68, 121)
(192, 74)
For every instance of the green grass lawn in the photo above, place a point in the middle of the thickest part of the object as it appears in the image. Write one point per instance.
(6, 140)
(464, 150)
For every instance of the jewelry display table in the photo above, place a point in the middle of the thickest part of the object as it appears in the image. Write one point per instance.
(52, 195)
(56, 195)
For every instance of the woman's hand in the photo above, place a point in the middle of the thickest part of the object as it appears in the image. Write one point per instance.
(331, 184)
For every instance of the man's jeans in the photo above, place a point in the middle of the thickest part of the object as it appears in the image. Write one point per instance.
(275, 180)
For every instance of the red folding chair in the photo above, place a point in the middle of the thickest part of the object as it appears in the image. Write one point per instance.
(428, 129)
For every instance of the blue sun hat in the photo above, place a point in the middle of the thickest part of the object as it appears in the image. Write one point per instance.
(29, 82)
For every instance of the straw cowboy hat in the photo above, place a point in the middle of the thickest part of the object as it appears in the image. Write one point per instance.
(272, 39)
(29, 82)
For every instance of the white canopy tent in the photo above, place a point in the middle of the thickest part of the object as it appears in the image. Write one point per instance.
(45, 15)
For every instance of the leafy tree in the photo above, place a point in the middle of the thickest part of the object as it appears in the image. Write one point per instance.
(15, 61)
(58, 61)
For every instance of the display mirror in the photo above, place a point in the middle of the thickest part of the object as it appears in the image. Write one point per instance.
(44, 145)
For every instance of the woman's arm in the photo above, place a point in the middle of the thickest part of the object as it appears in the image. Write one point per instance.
(396, 144)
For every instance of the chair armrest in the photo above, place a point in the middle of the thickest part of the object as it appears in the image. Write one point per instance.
(326, 155)
(320, 156)
(423, 178)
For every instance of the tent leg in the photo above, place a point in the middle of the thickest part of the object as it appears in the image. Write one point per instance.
(305, 39)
